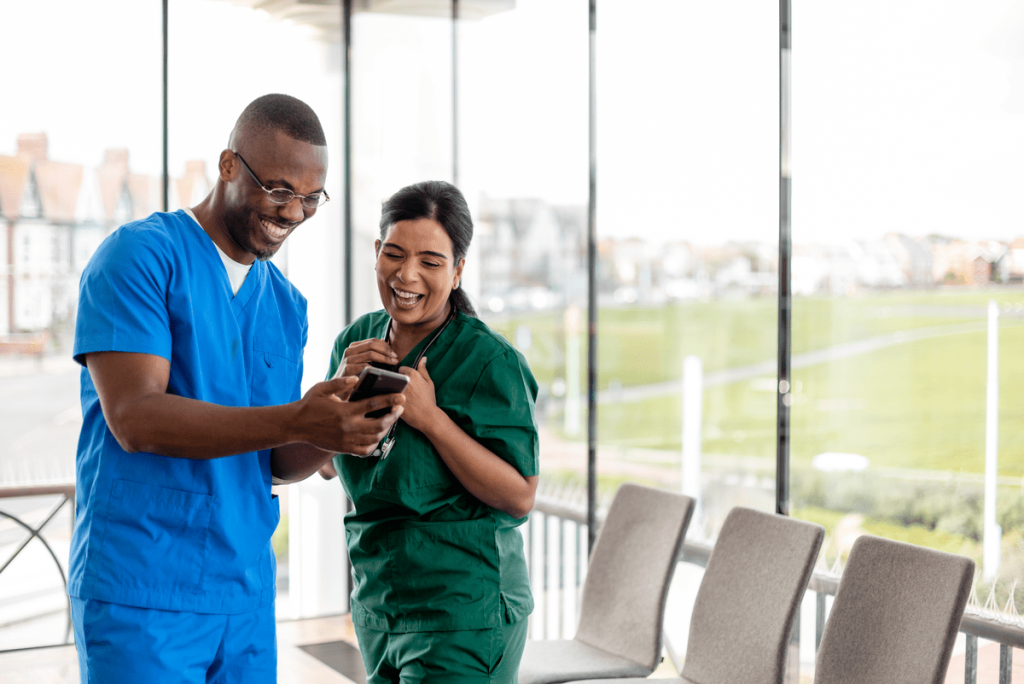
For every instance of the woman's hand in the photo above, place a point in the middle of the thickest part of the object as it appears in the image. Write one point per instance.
(361, 354)
(485, 475)
(420, 401)
(482, 472)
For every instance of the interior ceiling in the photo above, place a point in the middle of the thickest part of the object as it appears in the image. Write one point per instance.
(325, 15)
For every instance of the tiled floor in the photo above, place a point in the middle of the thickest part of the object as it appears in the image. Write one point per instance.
(295, 666)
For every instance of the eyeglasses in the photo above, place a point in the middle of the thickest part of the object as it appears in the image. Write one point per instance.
(284, 195)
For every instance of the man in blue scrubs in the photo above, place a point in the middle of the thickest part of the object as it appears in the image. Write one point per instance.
(191, 348)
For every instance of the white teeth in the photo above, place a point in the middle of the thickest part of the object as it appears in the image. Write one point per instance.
(405, 297)
(276, 231)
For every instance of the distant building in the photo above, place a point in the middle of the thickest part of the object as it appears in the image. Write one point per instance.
(56, 214)
(532, 254)
(914, 259)
(1015, 261)
(877, 264)
(959, 262)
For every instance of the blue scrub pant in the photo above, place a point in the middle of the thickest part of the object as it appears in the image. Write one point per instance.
(471, 656)
(123, 644)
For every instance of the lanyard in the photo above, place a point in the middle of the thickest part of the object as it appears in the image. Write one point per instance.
(384, 448)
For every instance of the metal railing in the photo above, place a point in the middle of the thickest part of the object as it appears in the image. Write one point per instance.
(973, 625)
(66, 494)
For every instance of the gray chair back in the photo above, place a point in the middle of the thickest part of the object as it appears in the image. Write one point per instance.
(629, 572)
(895, 616)
(748, 600)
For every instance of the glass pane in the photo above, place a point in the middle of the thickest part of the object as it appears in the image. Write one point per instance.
(306, 65)
(401, 123)
(77, 158)
(523, 167)
(688, 224)
(906, 272)
(688, 279)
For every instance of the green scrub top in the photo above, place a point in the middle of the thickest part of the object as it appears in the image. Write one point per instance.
(426, 554)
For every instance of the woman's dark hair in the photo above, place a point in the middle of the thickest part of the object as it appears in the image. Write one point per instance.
(438, 201)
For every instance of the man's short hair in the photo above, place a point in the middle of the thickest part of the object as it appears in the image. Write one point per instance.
(282, 113)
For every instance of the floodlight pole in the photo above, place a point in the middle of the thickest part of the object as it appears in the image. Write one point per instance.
(992, 532)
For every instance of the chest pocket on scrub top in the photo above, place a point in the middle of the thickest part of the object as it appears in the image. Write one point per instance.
(275, 371)
(412, 466)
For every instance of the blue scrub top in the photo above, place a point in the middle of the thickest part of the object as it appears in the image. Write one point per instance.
(175, 533)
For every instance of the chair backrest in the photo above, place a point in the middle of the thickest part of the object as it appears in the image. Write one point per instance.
(895, 616)
(630, 570)
(748, 600)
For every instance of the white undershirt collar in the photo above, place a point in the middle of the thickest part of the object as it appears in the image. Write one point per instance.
(236, 271)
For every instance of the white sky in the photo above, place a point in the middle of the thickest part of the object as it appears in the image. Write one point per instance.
(906, 116)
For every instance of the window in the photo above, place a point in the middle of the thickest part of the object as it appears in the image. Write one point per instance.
(43, 142)
(906, 148)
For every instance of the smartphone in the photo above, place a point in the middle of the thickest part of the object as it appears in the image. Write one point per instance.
(374, 381)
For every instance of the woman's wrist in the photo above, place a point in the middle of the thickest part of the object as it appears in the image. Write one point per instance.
(437, 421)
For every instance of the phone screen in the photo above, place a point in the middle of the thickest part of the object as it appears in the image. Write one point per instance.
(374, 382)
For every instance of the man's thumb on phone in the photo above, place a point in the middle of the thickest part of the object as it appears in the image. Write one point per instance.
(342, 386)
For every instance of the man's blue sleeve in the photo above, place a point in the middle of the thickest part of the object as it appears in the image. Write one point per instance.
(122, 303)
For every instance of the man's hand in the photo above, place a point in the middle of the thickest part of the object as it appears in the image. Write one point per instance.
(333, 424)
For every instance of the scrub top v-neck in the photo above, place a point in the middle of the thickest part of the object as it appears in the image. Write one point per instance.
(426, 554)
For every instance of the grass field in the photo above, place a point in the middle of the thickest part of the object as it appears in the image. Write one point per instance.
(913, 404)
(919, 404)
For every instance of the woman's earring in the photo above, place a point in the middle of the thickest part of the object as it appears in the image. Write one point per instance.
(456, 286)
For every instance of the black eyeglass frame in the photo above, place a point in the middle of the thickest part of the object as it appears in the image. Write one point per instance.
(284, 195)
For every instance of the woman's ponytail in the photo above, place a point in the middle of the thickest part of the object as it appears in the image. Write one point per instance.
(460, 300)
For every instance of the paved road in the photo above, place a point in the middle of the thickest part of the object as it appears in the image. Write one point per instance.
(769, 368)
(40, 419)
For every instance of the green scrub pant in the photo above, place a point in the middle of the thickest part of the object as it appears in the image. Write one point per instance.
(472, 656)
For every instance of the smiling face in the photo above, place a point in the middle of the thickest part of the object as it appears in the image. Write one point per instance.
(416, 272)
(256, 226)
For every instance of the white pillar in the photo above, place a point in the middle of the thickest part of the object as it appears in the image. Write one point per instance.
(993, 533)
(317, 581)
(573, 377)
(693, 404)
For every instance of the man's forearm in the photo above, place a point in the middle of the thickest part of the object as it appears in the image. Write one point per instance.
(142, 416)
(170, 425)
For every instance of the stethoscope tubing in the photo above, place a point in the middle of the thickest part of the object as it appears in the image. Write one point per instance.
(384, 448)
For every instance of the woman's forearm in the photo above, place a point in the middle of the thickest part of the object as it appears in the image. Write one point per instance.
(482, 472)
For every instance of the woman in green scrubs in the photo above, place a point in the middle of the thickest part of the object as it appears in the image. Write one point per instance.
(440, 585)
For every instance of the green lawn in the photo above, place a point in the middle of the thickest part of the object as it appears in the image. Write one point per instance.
(915, 405)
(641, 345)
(919, 404)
